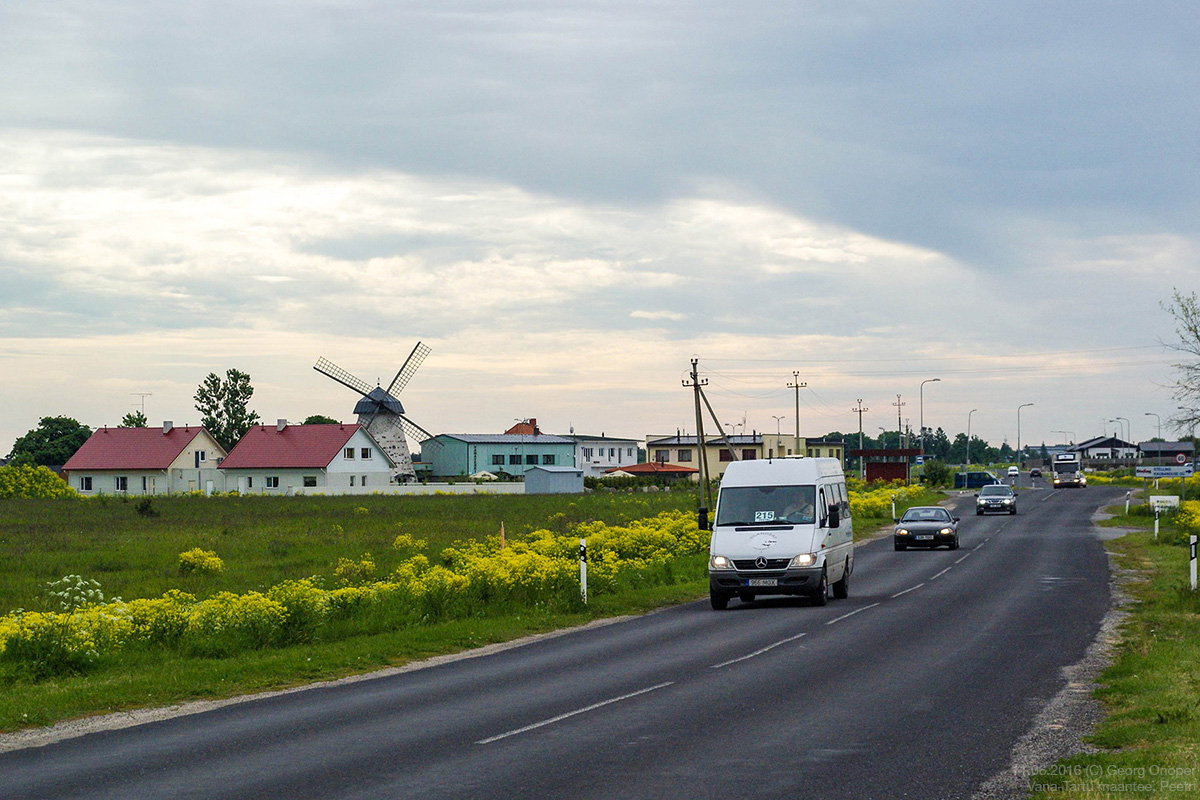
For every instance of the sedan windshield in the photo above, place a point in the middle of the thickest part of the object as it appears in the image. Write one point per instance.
(995, 491)
(766, 505)
(926, 515)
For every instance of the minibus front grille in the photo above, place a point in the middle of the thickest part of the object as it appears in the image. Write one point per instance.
(769, 563)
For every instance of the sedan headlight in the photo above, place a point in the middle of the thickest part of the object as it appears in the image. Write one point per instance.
(902, 531)
(946, 531)
(803, 560)
(719, 562)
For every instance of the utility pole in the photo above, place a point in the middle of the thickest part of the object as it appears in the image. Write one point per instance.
(899, 424)
(797, 385)
(862, 468)
(702, 453)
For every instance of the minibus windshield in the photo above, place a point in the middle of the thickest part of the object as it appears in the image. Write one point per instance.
(766, 505)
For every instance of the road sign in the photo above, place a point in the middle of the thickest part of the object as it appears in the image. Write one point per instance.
(1184, 471)
(920, 460)
(1180, 458)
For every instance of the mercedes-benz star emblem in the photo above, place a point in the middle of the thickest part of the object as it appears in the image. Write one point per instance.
(760, 562)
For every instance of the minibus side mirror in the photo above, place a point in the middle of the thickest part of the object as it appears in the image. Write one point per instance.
(702, 518)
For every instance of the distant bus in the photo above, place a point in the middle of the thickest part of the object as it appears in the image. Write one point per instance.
(1067, 470)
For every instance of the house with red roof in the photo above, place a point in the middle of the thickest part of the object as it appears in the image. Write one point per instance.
(307, 459)
(144, 461)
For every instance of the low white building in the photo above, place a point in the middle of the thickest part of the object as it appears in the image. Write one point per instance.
(147, 461)
(307, 459)
(1105, 447)
(595, 455)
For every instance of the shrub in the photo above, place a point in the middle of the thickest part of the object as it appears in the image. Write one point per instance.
(204, 562)
(350, 572)
(73, 591)
(29, 481)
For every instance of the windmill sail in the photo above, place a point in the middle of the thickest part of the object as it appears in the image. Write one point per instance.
(414, 360)
(331, 370)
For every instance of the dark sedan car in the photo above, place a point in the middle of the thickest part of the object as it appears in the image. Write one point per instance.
(926, 526)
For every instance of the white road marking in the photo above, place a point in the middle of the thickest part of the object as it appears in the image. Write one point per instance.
(940, 574)
(851, 614)
(569, 714)
(1047, 497)
(906, 591)
(759, 652)
(964, 558)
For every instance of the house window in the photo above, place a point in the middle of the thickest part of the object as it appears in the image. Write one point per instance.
(662, 456)
(514, 459)
(351, 480)
(250, 482)
(531, 458)
(587, 452)
(272, 481)
(349, 454)
(85, 483)
(548, 458)
(612, 452)
(497, 459)
(122, 483)
(725, 455)
(363, 481)
(685, 456)
(365, 453)
(144, 479)
(749, 454)
(310, 481)
(201, 456)
(809, 451)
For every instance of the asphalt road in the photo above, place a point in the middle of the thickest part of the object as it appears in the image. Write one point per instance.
(918, 685)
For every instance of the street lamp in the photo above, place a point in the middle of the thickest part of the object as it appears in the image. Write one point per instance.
(1128, 428)
(1023, 405)
(778, 433)
(1158, 419)
(968, 465)
(921, 391)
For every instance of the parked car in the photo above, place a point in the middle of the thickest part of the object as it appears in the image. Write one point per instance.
(996, 498)
(974, 480)
(926, 526)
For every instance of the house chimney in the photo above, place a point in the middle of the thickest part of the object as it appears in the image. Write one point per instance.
(533, 424)
(167, 426)
(280, 424)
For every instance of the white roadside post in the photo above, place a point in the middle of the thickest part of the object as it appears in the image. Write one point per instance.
(583, 570)
(1192, 546)
(1127, 503)
(1156, 510)
(893, 506)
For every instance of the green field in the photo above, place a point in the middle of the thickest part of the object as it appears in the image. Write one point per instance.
(264, 540)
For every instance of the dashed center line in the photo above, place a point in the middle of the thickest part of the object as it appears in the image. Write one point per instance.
(759, 652)
(906, 591)
(569, 714)
(964, 558)
(940, 574)
(851, 614)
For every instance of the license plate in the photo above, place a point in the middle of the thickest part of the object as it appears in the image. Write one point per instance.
(924, 535)
(762, 581)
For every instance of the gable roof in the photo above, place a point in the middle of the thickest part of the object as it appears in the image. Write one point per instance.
(294, 447)
(132, 448)
(654, 468)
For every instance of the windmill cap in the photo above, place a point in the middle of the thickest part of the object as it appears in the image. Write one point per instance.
(378, 400)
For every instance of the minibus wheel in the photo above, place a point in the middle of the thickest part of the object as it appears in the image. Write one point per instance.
(841, 589)
(719, 601)
(822, 594)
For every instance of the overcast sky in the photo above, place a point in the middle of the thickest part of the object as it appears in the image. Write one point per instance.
(569, 200)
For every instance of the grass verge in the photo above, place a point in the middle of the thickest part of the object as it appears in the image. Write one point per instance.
(1148, 744)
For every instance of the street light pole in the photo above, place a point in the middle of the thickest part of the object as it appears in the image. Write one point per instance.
(1023, 405)
(1158, 419)
(1128, 428)
(921, 392)
(778, 434)
(967, 467)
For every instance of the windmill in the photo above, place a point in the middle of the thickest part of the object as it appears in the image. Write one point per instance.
(380, 412)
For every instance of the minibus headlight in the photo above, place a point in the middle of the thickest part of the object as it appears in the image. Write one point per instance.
(803, 560)
(719, 562)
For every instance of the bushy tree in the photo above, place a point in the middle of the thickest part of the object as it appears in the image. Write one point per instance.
(134, 419)
(52, 442)
(224, 406)
(320, 419)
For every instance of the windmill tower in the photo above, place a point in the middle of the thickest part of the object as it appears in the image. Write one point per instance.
(381, 413)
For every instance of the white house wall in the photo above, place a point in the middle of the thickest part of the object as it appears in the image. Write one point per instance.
(376, 464)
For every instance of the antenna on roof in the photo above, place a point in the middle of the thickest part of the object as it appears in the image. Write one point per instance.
(143, 396)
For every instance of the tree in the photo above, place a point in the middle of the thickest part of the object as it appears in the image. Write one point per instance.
(135, 419)
(224, 406)
(51, 443)
(320, 419)
(1185, 310)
